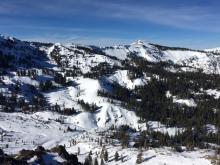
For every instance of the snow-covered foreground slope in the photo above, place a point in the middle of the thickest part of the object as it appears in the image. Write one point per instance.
(22, 131)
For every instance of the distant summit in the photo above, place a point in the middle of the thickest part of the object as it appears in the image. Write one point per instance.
(138, 42)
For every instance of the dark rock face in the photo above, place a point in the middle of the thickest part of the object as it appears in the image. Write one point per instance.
(71, 158)
(24, 155)
(9, 160)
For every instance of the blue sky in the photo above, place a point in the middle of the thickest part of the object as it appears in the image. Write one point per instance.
(187, 23)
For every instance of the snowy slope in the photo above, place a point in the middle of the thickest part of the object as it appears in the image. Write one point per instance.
(215, 50)
(122, 78)
(30, 131)
(82, 57)
(204, 60)
(86, 57)
(48, 128)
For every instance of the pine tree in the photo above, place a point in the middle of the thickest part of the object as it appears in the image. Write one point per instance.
(96, 161)
(122, 158)
(139, 158)
(102, 162)
(2, 138)
(145, 144)
(106, 155)
(1, 152)
(217, 154)
(102, 153)
(116, 156)
(78, 151)
(88, 160)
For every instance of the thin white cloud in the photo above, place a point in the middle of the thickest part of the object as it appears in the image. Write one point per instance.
(186, 17)
(204, 18)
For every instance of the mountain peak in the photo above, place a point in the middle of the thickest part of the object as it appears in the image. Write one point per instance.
(216, 50)
(3, 37)
(139, 42)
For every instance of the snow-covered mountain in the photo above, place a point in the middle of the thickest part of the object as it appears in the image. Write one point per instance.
(204, 60)
(86, 57)
(54, 89)
(214, 50)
